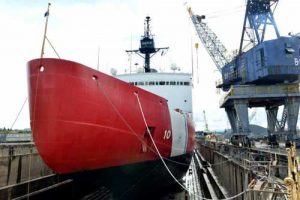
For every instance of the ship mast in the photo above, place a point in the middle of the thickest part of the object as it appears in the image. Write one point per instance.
(45, 31)
(147, 46)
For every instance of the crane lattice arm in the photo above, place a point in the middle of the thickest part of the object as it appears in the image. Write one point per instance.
(215, 48)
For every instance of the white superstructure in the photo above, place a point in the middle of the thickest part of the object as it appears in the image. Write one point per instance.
(175, 87)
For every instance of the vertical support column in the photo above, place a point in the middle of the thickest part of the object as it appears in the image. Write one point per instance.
(246, 182)
(231, 114)
(241, 108)
(292, 117)
(271, 118)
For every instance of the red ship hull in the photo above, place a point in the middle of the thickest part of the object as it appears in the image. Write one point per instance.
(83, 119)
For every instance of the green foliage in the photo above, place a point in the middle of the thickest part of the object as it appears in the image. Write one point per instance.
(9, 131)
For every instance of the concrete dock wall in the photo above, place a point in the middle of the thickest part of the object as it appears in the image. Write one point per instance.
(230, 174)
(20, 163)
(235, 166)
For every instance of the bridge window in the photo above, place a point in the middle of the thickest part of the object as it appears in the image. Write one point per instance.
(160, 83)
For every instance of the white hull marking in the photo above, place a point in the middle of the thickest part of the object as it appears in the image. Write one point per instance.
(179, 133)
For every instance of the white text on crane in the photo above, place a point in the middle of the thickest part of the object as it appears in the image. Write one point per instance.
(297, 61)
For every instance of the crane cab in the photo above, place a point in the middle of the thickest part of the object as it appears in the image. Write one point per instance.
(270, 62)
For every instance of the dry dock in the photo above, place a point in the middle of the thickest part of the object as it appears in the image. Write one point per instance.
(217, 171)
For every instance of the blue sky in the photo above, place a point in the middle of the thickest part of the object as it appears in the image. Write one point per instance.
(77, 28)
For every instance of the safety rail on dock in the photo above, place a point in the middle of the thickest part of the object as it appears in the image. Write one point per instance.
(252, 173)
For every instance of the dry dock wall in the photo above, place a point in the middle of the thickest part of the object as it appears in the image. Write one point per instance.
(19, 164)
(232, 176)
(233, 167)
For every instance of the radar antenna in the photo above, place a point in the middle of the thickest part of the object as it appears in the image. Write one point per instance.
(147, 46)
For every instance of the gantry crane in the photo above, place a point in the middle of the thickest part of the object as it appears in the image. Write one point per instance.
(264, 73)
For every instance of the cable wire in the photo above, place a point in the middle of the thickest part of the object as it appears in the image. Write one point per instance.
(226, 10)
(18, 114)
(52, 47)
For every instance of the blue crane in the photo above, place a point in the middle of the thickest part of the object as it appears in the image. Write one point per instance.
(263, 73)
(259, 61)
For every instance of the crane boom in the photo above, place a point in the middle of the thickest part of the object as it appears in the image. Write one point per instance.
(214, 47)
